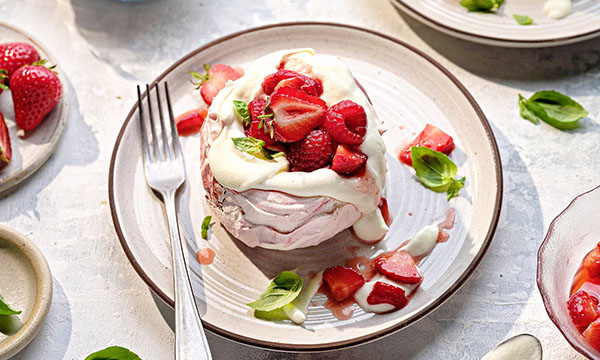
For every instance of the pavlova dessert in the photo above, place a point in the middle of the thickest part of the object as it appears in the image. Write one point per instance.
(292, 155)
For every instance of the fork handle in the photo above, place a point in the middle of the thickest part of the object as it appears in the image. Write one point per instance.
(190, 340)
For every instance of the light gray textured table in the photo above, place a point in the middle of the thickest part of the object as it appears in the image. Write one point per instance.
(105, 47)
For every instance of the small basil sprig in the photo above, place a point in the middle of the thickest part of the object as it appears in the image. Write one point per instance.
(113, 353)
(482, 5)
(205, 226)
(523, 19)
(5, 309)
(202, 78)
(552, 107)
(282, 290)
(436, 171)
(256, 147)
(241, 108)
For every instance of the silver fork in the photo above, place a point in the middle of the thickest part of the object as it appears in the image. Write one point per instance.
(165, 172)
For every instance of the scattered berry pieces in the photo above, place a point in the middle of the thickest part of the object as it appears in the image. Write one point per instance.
(384, 293)
(35, 91)
(190, 122)
(17, 54)
(347, 161)
(399, 266)
(311, 153)
(583, 309)
(293, 79)
(342, 281)
(296, 113)
(592, 335)
(346, 123)
(5, 148)
(431, 137)
(215, 80)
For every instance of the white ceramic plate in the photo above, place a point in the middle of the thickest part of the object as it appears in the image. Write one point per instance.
(408, 89)
(30, 152)
(501, 29)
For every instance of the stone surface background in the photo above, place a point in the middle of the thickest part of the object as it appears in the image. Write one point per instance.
(105, 47)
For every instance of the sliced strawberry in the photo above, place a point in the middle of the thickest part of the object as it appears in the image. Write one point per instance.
(583, 309)
(384, 293)
(399, 266)
(346, 123)
(592, 335)
(215, 80)
(293, 79)
(296, 113)
(431, 137)
(342, 281)
(311, 153)
(591, 262)
(17, 54)
(190, 122)
(385, 211)
(256, 108)
(347, 161)
(5, 148)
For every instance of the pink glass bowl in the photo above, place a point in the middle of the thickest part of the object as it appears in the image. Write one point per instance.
(572, 234)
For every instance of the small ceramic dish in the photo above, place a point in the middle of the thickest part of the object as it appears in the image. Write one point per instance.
(573, 233)
(25, 284)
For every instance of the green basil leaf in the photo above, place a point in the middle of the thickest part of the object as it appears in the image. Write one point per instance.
(273, 315)
(523, 19)
(5, 309)
(525, 112)
(482, 5)
(282, 290)
(556, 109)
(242, 110)
(205, 226)
(253, 146)
(436, 171)
(113, 353)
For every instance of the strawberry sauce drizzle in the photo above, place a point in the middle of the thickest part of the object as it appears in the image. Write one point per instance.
(205, 256)
(446, 224)
(342, 310)
(364, 265)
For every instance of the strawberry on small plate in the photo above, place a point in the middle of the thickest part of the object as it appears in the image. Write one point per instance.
(5, 148)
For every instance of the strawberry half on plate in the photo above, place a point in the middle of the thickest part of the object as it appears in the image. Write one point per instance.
(431, 137)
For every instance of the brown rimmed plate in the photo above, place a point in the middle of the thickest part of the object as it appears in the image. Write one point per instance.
(500, 29)
(408, 89)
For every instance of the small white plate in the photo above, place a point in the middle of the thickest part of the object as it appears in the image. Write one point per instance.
(500, 29)
(408, 89)
(29, 153)
(26, 285)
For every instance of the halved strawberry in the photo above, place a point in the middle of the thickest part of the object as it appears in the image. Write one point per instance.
(293, 79)
(592, 335)
(296, 113)
(190, 122)
(399, 266)
(256, 108)
(342, 281)
(583, 309)
(215, 79)
(384, 293)
(347, 161)
(431, 137)
(591, 262)
(5, 149)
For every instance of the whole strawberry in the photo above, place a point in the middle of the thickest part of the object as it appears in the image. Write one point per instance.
(5, 149)
(35, 91)
(17, 54)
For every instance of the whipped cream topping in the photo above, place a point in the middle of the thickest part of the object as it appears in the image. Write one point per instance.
(557, 9)
(240, 171)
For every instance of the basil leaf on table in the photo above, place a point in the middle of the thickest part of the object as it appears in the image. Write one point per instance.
(5, 309)
(523, 19)
(436, 171)
(525, 112)
(241, 108)
(554, 108)
(282, 290)
(482, 5)
(113, 353)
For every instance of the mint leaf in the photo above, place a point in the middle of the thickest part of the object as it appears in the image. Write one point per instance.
(205, 226)
(242, 110)
(482, 5)
(113, 353)
(524, 111)
(554, 108)
(436, 171)
(254, 146)
(523, 19)
(5, 309)
(282, 290)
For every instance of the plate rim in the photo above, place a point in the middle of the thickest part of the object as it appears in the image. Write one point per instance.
(270, 345)
(490, 40)
(24, 173)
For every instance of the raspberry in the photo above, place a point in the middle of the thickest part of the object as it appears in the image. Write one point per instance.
(311, 153)
(346, 123)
